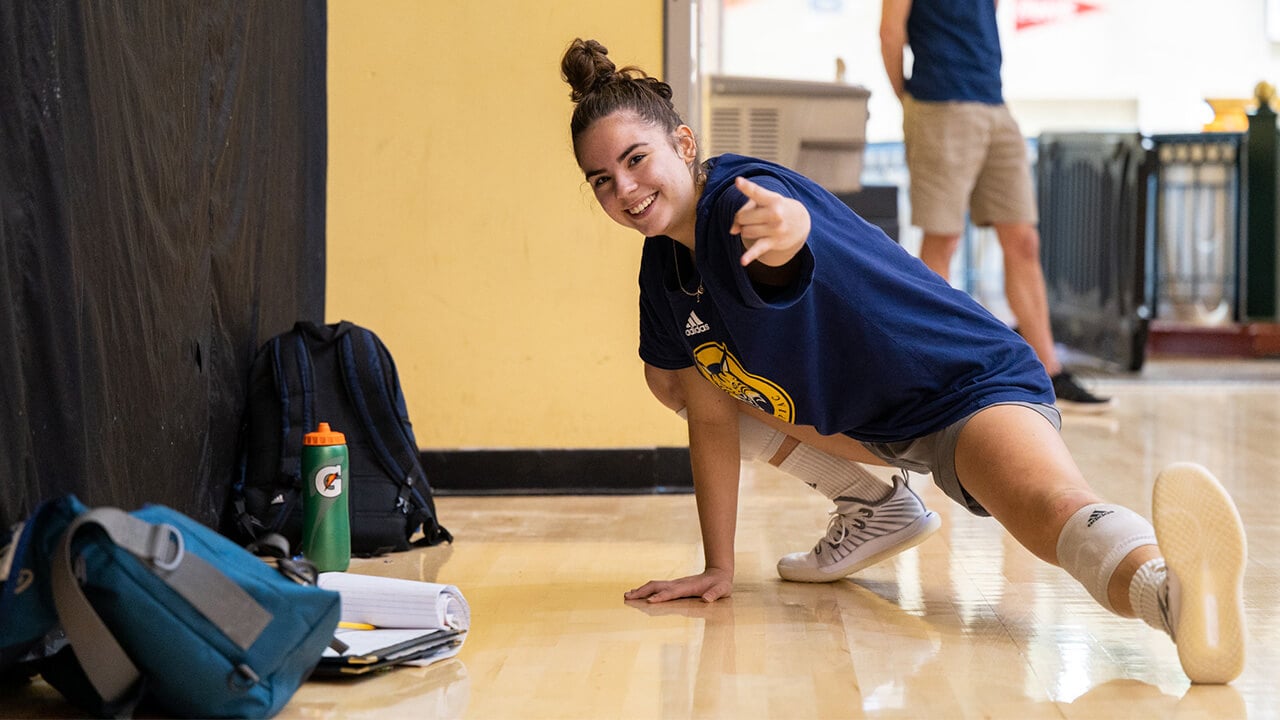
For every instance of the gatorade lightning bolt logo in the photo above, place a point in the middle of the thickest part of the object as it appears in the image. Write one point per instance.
(328, 481)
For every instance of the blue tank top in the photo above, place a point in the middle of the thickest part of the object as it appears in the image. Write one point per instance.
(956, 46)
(868, 341)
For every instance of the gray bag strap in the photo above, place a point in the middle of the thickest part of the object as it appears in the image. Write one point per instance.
(161, 549)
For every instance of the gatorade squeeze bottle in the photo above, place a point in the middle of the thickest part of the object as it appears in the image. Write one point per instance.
(326, 528)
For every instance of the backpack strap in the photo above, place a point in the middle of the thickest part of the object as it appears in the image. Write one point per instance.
(289, 362)
(369, 386)
(295, 388)
(161, 550)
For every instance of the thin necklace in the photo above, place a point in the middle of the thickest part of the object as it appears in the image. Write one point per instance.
(696, 294)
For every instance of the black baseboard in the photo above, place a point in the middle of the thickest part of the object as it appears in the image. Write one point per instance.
(627, 471)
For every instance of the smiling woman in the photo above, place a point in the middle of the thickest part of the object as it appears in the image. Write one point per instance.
(814, 342)
(632, 145)
(642, 175)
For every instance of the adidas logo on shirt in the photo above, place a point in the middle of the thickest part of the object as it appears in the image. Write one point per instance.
(694, 325)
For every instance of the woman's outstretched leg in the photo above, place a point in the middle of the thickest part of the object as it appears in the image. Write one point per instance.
(1184, 575)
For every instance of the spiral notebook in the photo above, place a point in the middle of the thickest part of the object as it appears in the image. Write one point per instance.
(391, 621)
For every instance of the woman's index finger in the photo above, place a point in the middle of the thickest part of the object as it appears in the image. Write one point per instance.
(752, 190)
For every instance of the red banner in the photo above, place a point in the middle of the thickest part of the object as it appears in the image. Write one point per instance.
(1034, 13)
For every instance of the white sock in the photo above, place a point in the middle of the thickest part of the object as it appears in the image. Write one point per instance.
(1148, 584)
(835, 477)
(1094, 541)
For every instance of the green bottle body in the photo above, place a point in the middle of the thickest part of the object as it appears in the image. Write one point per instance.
(326, 527)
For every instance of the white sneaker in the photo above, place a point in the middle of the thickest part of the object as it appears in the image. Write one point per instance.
(1202, 539)
(861, 534)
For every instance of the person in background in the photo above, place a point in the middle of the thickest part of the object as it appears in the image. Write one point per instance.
(965, 153)
(774, 320)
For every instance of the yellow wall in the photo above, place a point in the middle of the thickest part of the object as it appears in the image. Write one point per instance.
(460, 228)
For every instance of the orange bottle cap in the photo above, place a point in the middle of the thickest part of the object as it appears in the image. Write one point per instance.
(324, 436)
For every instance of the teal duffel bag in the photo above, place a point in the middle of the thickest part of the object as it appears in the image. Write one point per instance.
(158, 610)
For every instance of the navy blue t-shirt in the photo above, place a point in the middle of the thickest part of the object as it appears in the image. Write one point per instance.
(868, 341)
(956, 50)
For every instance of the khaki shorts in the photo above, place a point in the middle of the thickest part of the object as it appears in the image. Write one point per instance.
(965, 156)
(936, 454)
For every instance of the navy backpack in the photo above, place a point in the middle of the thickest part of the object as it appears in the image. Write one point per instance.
(341, 374)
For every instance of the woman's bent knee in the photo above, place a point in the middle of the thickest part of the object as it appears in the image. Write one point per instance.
(665, 386)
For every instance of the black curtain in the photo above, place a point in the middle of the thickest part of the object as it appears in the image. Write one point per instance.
(162, 171)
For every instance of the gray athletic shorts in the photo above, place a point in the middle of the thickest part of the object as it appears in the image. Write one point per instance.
(965, 156)
(936, 454)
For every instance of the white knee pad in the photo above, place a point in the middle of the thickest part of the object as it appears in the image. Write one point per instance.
(1094, 541)
(756, 441)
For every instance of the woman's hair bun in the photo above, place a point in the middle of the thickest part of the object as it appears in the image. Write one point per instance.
(600, 88)
(586, 66)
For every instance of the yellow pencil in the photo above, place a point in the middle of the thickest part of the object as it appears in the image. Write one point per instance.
(356, 626)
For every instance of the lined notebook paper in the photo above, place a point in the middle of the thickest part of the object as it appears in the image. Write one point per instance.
(398, 609)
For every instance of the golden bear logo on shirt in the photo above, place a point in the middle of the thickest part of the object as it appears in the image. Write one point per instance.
(719, 366)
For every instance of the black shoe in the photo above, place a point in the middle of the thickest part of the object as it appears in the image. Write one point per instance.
(1071, 396)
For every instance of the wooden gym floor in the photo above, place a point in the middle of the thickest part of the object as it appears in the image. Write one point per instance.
(967, 625)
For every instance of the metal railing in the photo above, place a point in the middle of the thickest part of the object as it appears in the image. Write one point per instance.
(1133, 227)
(1196, 238)
(1093, 199)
